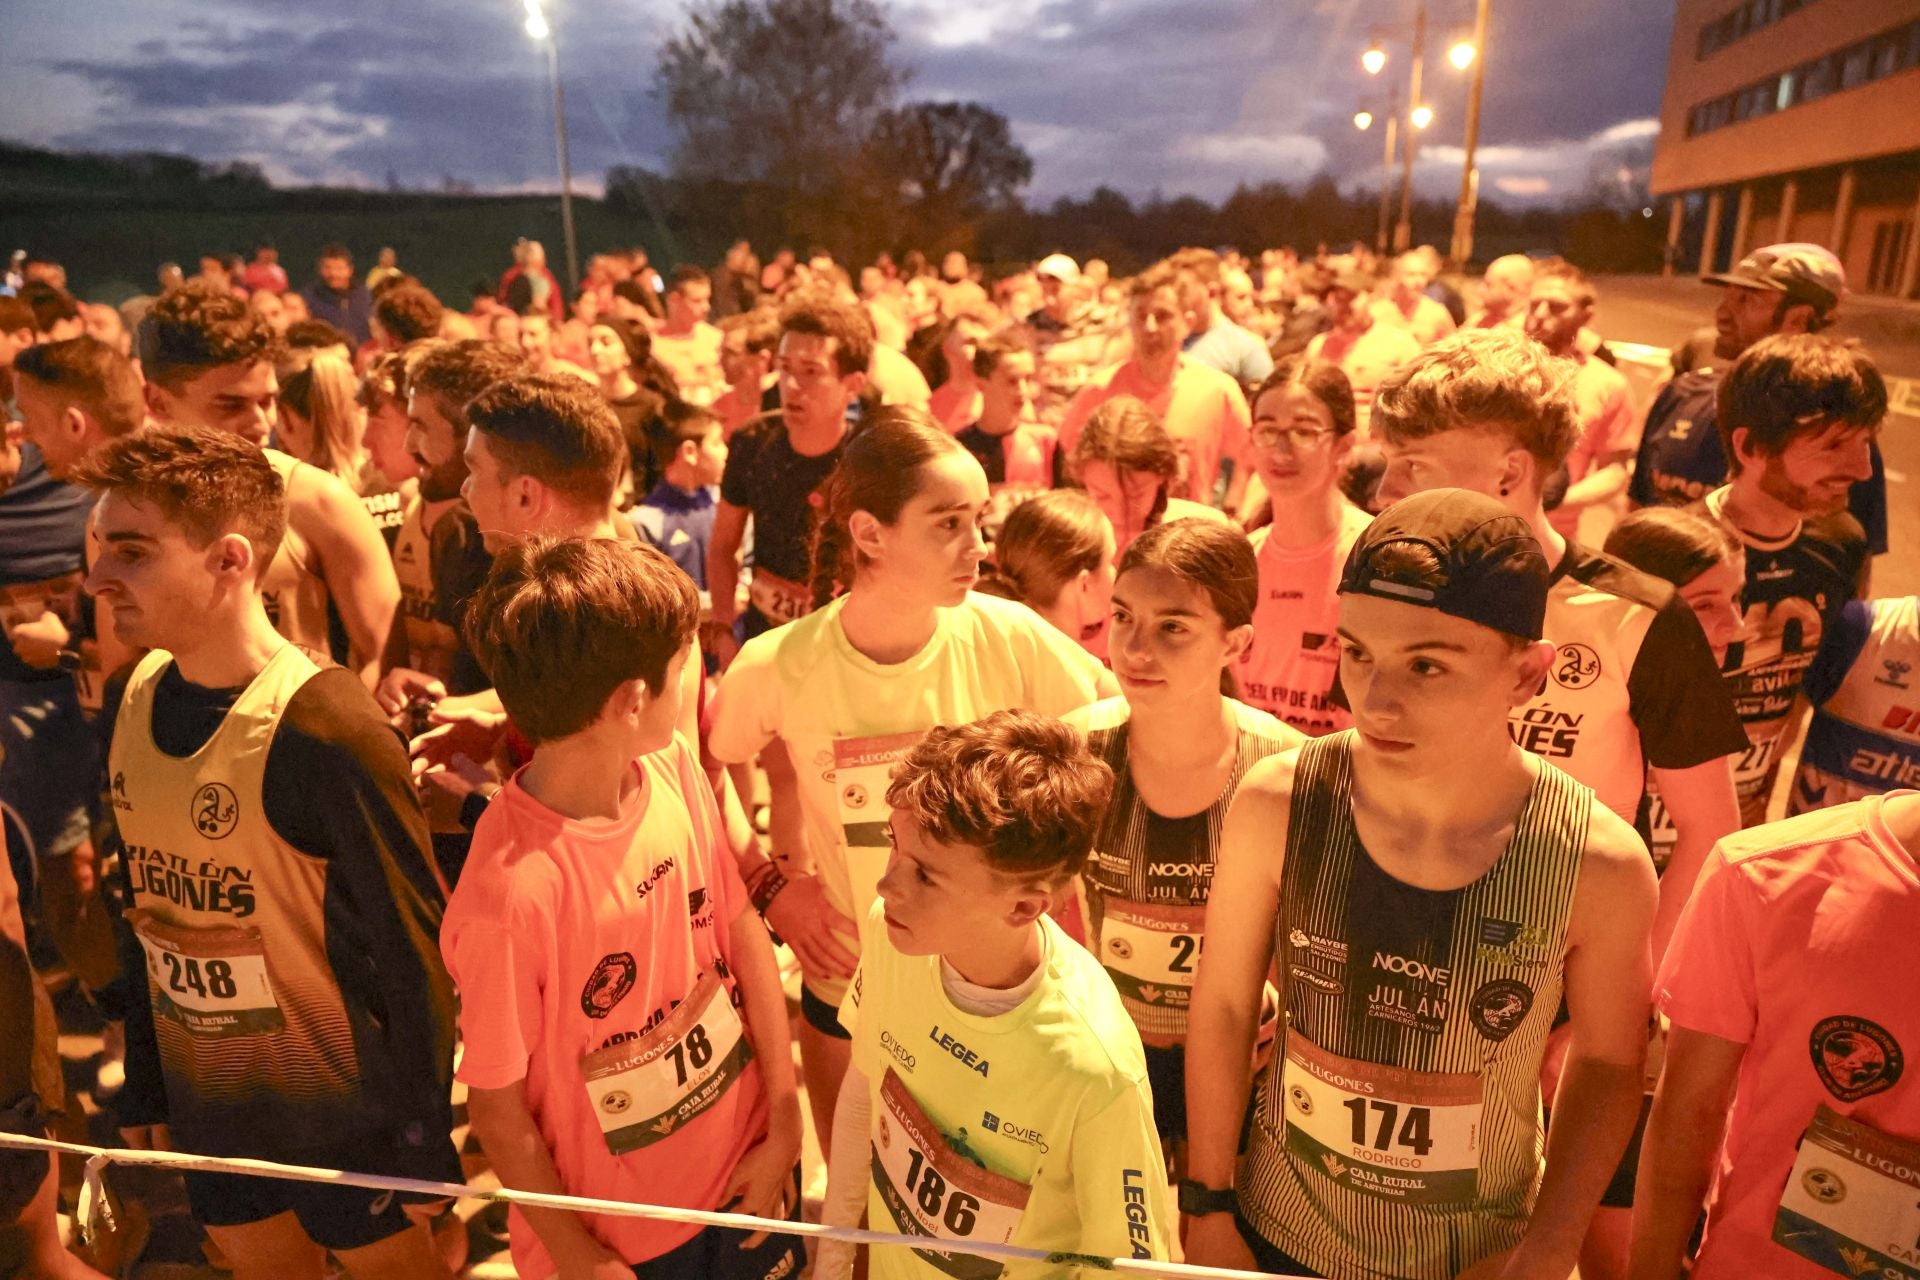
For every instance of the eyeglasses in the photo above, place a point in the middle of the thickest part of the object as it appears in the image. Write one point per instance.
(1299, 439)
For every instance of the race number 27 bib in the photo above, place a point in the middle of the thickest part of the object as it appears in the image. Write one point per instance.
(1412, 1136)
(208, 982)
(643, 1090)
(932, 1190)
(1852, 1202)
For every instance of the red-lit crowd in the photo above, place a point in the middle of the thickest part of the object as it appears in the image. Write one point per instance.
(1273, 762)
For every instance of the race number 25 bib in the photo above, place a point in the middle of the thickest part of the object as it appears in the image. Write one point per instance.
(643, 1090)
(1852, 1202)
(209, 982)
(1150, 950)
(1411, 1136)
(931, 1190)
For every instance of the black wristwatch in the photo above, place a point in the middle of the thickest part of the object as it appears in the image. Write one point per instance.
(1197, 1200)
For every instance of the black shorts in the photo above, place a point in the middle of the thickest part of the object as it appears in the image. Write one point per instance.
(821, 1016)
(334, 1217)
(1265, 1256)
(1167, 1077)
(1619, 1193)
(716, 1253)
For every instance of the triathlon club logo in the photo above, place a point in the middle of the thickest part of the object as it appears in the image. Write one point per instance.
(215, 811)
(609, 984)
(1855, 1058)
(1575, 666)
(1823, 1185)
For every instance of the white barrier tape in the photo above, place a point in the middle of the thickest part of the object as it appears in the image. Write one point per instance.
(95, 1200)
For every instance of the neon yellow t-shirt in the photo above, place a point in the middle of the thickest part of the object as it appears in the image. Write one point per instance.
(847, 720)
(1032, 1128)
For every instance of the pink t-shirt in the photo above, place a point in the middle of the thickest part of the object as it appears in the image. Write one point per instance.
(1366, 357)
(1203, 410)
(1800, 942)
(1608, 431)
(566, 937)
(1289, 668)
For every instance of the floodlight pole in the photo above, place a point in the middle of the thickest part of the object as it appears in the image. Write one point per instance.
(1462, 248)
(566, 168)
(1403, 232)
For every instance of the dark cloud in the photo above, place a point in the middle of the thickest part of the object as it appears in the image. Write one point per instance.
(1140, 94)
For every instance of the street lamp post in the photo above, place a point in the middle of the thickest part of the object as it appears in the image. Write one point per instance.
(1462, 247)
(1403, 230)
(541, 32)
(1364, 120)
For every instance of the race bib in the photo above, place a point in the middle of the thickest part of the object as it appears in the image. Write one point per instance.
(932, 1190)
(862, 768)
(1150, 950)
(643, 1090)
(1852, 1202)
(210, 982)
(777, 599)
(1411, 1136)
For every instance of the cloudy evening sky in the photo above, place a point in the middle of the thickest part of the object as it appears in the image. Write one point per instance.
(1175, 96)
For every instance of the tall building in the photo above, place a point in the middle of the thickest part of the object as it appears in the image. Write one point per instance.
(1794, 120)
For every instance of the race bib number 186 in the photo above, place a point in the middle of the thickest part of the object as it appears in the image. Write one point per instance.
(931, 1190)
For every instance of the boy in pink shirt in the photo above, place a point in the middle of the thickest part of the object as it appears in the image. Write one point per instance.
(1789, 986)
(626, 1035)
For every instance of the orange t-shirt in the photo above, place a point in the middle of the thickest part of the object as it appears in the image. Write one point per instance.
(569, 937)
(1800, 943)
(1202, 408)
(1289, 669)
(1608, 430)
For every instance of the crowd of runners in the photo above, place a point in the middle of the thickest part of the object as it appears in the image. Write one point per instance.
(1159, 747)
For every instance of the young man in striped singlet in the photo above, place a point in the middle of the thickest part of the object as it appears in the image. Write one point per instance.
(1435, 891)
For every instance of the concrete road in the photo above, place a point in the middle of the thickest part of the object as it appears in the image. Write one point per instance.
(1664, 312)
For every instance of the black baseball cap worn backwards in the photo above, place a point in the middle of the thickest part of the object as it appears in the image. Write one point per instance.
(1491, 568)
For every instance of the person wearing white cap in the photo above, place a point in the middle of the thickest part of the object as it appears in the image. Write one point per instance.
(1780, 289)
(1057, 273)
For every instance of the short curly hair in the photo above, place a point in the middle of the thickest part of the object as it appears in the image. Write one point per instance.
(1791, 385)
(408, 313)
(197, 327)
(1493, 379)
(818, 314)
(210, 483)
(454, 373)
(1021, 787)
(557, 429)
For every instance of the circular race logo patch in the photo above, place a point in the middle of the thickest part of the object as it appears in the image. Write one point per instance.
(1575, 666)
(1120, 947)
(1302, 1100)
(1824, 1185)
(886, 1134)
(1499, 1007)
(854, 796)
(612, 978)
(215, 811)
(1855, 1058)
(616, 1101)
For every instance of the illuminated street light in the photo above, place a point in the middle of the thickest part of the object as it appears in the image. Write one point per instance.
(1462, 54)
(540, 31)
(1373, 59)
(1363, 120)
(1422, 116)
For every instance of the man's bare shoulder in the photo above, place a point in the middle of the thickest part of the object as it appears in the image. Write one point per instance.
(1616, 864)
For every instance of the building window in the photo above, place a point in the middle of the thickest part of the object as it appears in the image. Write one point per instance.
(1743, 20)
(1886, 54)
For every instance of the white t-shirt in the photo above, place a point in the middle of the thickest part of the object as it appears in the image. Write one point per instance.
(847, 720)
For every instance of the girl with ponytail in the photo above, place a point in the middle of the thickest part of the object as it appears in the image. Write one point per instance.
(899, 643)
(1055, 555)
(1178, 745)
